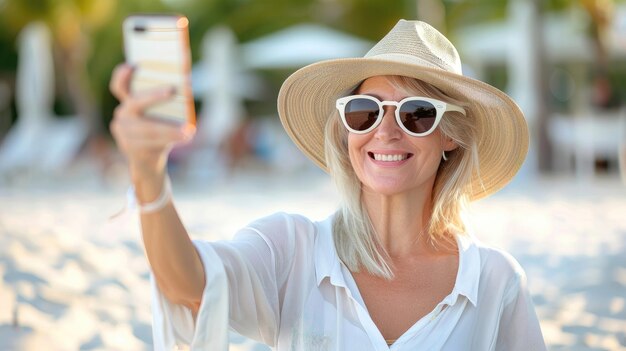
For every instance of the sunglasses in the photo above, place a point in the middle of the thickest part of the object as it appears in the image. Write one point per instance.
(417, 116)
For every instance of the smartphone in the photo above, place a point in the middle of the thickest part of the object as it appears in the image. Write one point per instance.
(158, 48)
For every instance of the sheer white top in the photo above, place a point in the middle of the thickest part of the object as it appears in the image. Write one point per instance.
(280, 281)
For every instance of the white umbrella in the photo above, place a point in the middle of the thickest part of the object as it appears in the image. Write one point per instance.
(300, 45)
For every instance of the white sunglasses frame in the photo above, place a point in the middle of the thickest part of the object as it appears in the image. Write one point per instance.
(440, 106)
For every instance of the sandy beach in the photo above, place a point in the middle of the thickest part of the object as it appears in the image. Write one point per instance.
(74, 280)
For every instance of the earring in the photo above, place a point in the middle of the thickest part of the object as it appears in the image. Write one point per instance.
(443, 154)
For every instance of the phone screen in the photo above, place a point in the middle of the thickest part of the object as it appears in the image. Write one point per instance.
(158, 47)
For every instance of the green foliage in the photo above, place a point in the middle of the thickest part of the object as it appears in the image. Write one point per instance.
(617, 75)
(371, 18)
(462, 13)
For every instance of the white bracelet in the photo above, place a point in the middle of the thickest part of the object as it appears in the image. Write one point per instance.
(153, 206)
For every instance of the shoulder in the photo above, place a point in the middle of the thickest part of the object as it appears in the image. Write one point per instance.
(282, 223)
(496, 261)
(500, 271)
(282, 231)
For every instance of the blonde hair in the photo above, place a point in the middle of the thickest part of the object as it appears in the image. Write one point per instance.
(355, 238)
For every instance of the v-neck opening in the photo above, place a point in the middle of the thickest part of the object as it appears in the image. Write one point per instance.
(448, 301)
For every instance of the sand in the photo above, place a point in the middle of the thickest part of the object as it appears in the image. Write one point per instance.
(72, 279)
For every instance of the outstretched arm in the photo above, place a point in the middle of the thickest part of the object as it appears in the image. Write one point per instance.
(146, 143)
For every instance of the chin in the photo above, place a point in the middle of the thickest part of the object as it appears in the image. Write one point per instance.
(386, 188)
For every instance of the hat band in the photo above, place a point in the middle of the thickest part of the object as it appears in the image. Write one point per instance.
(414, 60)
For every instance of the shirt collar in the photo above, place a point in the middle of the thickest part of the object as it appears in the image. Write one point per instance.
(327, 263)
(468, 276)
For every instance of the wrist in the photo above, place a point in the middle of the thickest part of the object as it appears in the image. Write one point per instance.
(147, 171)
(155, 204)
(149, 195)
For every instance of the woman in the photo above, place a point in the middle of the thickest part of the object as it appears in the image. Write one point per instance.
(409, 142)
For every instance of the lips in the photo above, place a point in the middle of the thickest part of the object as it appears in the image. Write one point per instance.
(389, 157)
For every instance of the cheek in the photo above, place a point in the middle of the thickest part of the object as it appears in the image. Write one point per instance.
(431, 144)
(355, 144)
(429, 151)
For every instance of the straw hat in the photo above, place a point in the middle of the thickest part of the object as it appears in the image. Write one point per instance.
(412, 49)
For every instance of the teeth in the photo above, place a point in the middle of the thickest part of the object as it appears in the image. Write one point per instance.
(390, 158)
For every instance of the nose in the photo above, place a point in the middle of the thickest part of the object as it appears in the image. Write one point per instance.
(388, 128)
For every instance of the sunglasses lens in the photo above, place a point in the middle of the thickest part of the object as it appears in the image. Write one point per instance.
(361, 113)
(418, 116)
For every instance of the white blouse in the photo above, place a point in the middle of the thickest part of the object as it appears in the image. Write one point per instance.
(280, 281)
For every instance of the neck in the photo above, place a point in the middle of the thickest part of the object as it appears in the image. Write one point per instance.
(400, 220)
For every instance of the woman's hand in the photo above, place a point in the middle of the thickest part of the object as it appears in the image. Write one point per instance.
(145, 142)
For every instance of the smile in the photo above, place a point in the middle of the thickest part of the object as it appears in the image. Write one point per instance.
(389, 158)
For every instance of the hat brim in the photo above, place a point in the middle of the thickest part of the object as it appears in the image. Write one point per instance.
(307, 99)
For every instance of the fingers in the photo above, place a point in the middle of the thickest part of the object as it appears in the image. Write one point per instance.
(137, 137)
(120, 88)
(139, 102)
(151, 130)
(133, 134)
(134, 106)
(146, 141)
(120, 81)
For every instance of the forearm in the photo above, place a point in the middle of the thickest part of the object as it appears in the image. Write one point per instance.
(146, 143)
(175, 263)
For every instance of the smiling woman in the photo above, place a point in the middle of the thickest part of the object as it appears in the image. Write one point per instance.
(456, 132)
(409, 142)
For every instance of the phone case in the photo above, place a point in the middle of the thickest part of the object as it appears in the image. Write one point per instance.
(158, 47)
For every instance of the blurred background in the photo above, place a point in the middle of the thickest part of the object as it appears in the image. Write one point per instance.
(72, 279)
